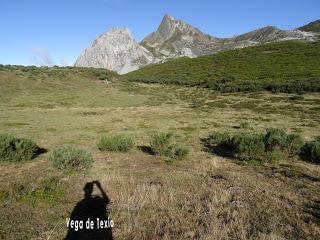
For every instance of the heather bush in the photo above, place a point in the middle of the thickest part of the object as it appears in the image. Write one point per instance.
(311, 151)
(248, 146)
(70, 158)
(15, 149)
(217, 138)
(274, 146)
(275, 139)
(294, 144)
(162, 145)
(115, 143)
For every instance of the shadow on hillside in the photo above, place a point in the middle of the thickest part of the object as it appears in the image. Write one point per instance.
(91, 209)
(314, 210)
(146, 149)
(220, 149)
(41, 151)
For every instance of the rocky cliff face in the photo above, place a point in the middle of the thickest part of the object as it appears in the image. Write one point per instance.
(117, 50)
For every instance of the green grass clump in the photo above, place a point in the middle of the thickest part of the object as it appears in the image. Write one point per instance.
(115, 143)
(311, 151)
(162, 145)
(288, 66)
(13, 149)
(70, 158)
(48, 191)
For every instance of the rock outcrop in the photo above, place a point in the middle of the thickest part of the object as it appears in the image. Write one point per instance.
(115, 50)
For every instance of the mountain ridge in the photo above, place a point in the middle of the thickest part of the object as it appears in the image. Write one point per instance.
(118, 51)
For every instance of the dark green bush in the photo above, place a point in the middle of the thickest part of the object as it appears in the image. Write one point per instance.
(115, 143)
(217, 138)
(278, 139)
(103, 77)
(275, 139)
(274, 146)
(17, 149)
(70, 158)
(162, 145)
(248, 146)
(294, 144)
(311, 151)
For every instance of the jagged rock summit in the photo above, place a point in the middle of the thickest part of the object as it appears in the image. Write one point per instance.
(117, 50)
(175, 38)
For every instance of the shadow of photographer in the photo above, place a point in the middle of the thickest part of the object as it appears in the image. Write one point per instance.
(92, 213)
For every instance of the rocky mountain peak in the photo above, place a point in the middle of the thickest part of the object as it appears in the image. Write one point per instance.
(169, 26)
(114, 34)
(117, 50)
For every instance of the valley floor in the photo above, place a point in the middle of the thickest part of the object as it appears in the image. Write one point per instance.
(201, 197)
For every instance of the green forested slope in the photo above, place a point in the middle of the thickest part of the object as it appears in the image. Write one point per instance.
(289, 66)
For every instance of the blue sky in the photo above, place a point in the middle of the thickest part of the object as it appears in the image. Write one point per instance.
(56, 31)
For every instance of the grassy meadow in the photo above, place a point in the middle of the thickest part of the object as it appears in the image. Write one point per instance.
(202, 196)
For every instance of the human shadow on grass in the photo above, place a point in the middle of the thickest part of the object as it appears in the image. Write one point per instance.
(91, 208)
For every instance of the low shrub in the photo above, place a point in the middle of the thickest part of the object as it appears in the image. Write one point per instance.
(248, 146)
(274, 156)
(278, 139)
(275, 139)
(311, 151)
(70, 158)
(162, 145)
(294, 144)
(103, 77)
(115, 143)
(274, 146)
(15, 149)
(217, 138)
